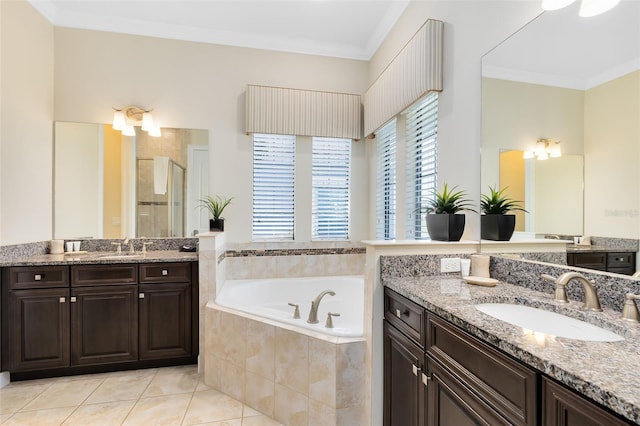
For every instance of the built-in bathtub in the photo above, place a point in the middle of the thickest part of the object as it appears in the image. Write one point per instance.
(292, 371)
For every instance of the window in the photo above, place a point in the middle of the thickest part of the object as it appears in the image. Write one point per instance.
(273, 186)
(422, 138)
(386, 182)
(331, 175)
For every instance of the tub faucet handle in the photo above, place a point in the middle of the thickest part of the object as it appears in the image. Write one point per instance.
(296, 312)
(329, 323)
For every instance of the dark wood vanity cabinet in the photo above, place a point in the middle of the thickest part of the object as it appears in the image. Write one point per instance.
(617, 262)
(70, 318)
(441, 375)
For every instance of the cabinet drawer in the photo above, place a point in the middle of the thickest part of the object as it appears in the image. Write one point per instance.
(20, 277)
(621, 260)
(85, 275)
(165, 273)
(405, 315)
(596, 260)
(502, 382)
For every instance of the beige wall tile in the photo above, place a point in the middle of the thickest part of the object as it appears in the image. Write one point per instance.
(291, 408)
(233, 332)
(261, 352)
(213, 371)
(350, 375)
(351, 416)
(260, 393)
(292, 357)
(321, 415)
(322, 372)
(232, 379)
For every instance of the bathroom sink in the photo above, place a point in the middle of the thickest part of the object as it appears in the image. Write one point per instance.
(547, 322)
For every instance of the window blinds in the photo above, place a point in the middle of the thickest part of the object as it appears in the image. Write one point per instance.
(331, 175)
(273, 186)
(386, 182)
(279, 110)
(421, 167)
(414, 72)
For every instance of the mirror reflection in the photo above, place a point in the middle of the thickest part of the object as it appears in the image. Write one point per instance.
(577, 81)
(107, 185)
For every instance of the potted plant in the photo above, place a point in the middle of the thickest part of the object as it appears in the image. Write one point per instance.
(216, 206)
(495, 222)
(443, 222)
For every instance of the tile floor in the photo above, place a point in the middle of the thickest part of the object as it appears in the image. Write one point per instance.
(160, 396)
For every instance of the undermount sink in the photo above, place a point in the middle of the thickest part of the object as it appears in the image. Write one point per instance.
(119, 256)
(547, 322)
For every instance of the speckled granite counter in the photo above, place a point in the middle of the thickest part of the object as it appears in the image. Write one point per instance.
(604, 372)
(101, 258)
(576, 248)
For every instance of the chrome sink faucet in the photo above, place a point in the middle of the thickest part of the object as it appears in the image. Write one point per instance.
(591, 301)
(313, 313)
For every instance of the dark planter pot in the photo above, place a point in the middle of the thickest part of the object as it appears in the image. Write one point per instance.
(216, 224)
(497, 227)
(445, 227)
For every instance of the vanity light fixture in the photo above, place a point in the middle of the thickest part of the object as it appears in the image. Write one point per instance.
(544, 149)
(588, 8)
(124, 119)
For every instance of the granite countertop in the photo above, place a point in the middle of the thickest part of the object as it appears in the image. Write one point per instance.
(578, 248)
(101, 258)
(603, 371)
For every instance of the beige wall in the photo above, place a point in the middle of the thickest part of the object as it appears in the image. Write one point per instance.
(26, 123)
(471, 30)
(612, 156)
(196, 85)
(112, 203)
(512, 177)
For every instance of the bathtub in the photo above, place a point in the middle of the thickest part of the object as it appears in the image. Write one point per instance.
(269, 298)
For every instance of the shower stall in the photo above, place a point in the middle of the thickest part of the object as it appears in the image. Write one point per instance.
(160, 198)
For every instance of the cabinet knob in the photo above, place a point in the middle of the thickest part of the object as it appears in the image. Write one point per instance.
(63, 299)
(415, 370)
(399, 314)
(73, 299)
(37, 277)
(141, 296)
(165, 272)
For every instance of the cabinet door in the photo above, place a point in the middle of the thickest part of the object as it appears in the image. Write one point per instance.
(104, 324)
(38, 329)
(165, 320)
(562, 407)
(452, 404)
(404, 398)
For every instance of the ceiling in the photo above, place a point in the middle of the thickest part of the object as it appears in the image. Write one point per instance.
(559, 48)
(340, 28)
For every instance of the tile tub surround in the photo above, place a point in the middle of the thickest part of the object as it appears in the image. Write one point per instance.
(295, 378)
(604, 372)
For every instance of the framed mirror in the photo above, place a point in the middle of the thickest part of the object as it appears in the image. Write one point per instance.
(575, 81)
(107, 185)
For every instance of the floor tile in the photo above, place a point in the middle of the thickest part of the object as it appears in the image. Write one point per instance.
(159, 410)
(259, 421)
(13, 397)
(172, 381)
(106, 414)
(52, 416)
(120, 388)
(210, 406)
(64, 394)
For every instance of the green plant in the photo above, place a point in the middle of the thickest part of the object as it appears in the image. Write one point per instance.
(498, 203)
(449, 201)
(215, 205)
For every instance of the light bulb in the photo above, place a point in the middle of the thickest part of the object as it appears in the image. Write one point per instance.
(556, 151)
(118, 120)
(147, 121)
(129, 131)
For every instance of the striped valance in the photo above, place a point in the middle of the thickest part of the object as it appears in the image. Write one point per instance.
(415, 71)
(283, 111)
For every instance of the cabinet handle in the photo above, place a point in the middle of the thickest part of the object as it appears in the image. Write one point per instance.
(73, 299)
(415, 370)
(165, 272)
(425, 379)
(37, 277)
(63, 299)
(141, 296)
(400, 314)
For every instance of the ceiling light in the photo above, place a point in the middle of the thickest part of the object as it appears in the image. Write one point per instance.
(544, 149)
(555, 4)
(126, 118)
(596, 7)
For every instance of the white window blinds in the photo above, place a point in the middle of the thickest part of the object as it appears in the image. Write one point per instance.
(386, 182)
(273, 186)
(421, 167)
(331, 177)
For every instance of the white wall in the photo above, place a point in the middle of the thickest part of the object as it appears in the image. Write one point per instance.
(26, 124)
(471, 29)
(200, 86)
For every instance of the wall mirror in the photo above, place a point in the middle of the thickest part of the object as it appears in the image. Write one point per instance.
(577, 81)
(107, 185)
